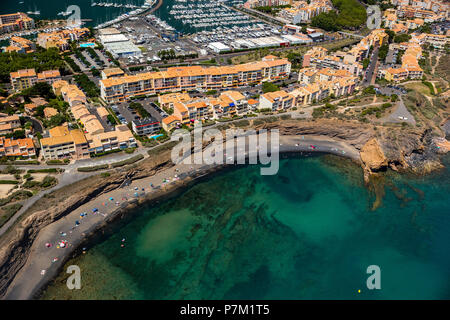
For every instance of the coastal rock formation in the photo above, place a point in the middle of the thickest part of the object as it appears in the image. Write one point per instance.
(372, 158)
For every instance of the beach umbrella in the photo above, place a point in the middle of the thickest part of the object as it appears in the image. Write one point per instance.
(48, 245)
(77, 222)
(111, 198)
(94, 210)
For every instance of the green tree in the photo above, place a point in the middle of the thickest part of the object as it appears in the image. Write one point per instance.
(269, 87)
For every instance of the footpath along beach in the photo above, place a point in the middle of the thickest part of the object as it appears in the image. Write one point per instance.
(56, 242)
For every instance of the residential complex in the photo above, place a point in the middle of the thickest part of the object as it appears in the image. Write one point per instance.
(194, 77)
(20, 45)
(9, 124)
(147, 126)
(64, 143)
(60, 39)
(409, 68)
(24, 79)
(315, 85)
(98, 139)
(276, 101)
(112, 73)
(303, 12)
(17, 148)
(120, 138)
(15, 22)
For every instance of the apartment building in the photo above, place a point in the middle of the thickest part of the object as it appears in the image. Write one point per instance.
(318, 84)
(71, 94)
(103, 113)
(437, 41)
(20, 45)
(303, 12)
(236, 98)
(317, 57)
(170, 122)
(23, 79)
(147, 126)
(9, 124)
(194, 78)
(89, 121)
(167, 100)
(120, 138)
(60, 39)
(49, 76)
(15, 22)
(222, 108)
(275, 101)
(18, 147)
(252, 104)
(112, 73)
(410, 68)
(64, 143)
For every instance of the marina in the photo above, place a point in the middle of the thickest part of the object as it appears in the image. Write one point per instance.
(191, 17)
(146, 6)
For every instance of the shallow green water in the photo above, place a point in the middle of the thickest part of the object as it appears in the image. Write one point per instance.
(306, 233)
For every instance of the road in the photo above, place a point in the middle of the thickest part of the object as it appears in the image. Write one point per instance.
(370, 74)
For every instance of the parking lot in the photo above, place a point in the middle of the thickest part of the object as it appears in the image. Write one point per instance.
(127, 115)
(147, 38)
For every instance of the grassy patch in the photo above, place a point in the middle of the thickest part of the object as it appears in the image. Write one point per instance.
(9, 182)
(8, 211)
(155, 151)
(46, 170)
(93, 168)
(127, 161)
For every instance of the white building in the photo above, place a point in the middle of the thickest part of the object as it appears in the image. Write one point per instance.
(218, 47)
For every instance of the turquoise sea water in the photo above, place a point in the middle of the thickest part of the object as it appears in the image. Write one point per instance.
(306, 233)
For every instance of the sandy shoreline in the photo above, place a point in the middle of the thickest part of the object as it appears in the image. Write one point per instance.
(28, 282)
